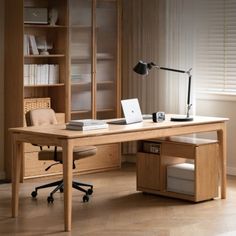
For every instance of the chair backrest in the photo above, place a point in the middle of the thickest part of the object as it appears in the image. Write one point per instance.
(40, 116)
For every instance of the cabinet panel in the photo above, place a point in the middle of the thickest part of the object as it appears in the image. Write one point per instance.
(148, 169)
(81, 59)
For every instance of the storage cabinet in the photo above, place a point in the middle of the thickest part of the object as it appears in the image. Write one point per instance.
(74, 62)
(94, 58)
(152, 166)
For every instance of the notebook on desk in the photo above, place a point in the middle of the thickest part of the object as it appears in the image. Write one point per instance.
(132, 112)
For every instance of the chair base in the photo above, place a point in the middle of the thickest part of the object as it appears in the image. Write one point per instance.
(59, 186)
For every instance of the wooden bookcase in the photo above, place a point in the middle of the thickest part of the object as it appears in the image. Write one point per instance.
(152, 167)
(83, 59)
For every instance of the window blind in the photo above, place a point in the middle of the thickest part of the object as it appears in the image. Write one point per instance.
(216, 46)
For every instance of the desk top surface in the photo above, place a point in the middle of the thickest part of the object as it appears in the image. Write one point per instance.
(60, 131)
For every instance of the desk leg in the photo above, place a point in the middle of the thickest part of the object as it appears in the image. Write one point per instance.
(67, 178)
(222, 156)
(17, 155)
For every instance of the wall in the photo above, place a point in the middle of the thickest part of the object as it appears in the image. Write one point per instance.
(1, 89)
(143, 31)
(140, 42)
(222, 108)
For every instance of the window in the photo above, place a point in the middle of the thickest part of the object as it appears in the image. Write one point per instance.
(215, 61)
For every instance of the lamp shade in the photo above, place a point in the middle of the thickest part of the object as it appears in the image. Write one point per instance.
(141, 68)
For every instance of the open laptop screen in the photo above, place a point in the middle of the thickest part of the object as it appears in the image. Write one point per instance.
(131, 110)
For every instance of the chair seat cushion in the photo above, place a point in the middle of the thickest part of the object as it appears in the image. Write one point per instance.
(78, 153)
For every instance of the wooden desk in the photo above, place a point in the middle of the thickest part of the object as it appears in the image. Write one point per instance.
(59, 136)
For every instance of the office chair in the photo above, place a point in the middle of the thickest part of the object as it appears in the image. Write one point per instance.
(46, 116)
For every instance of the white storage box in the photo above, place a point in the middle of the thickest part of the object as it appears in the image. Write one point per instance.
(180, 178)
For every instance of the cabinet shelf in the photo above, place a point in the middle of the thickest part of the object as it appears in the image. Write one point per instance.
(99, 56)
(87, 27)
(104, 56)
(105, 82)
(106, 110)
(44, 85)
(88, 83)
(45, 26)
(80, 111)
(44, 56)
(87, 111)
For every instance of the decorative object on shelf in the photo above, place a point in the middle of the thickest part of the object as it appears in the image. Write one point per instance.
(53, 16)
(43, 45)
(33, 15)
(143, 68)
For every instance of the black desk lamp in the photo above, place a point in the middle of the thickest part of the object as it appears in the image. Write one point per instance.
(143, 68)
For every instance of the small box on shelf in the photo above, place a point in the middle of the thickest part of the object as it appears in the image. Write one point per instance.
(35, 15)
(181, 178)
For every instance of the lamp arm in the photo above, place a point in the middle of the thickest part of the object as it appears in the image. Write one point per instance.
(170, 69)
(189, 82)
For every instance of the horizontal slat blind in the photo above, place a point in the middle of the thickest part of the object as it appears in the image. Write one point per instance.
(216, 46)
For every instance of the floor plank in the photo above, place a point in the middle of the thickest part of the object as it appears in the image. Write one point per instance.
(116, 208)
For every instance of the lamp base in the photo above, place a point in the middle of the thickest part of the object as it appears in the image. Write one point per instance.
(181, 118)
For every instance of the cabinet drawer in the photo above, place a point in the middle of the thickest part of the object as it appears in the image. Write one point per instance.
(36, 168)
(178, 150)
(108, 156)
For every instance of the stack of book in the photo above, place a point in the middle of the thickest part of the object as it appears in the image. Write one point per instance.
(86, 124)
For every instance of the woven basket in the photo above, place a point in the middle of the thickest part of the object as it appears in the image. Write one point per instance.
(34, 103)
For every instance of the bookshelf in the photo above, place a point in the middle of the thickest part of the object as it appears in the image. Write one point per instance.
(78, 72)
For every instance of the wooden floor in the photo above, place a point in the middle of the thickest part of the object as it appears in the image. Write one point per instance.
(117, 209)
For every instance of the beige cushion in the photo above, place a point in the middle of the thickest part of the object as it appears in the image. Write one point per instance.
(41, 116)
(78, 153)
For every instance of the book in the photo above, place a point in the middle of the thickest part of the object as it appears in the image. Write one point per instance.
(86, 127)
(33, 45)
(26, 45)
(87, 122)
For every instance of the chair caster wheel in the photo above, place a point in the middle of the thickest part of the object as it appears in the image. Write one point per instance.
(50, 199)
(61, 190)
(90, 191)
(85, 198)
(34, 194)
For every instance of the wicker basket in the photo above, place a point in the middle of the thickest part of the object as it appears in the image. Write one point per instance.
(34, 103)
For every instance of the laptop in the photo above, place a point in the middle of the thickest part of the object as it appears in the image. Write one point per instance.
(132, 112)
